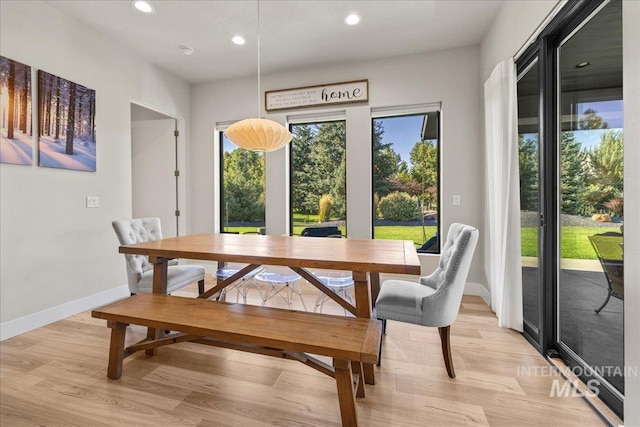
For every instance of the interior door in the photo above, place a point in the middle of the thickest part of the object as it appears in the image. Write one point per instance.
(153, 163)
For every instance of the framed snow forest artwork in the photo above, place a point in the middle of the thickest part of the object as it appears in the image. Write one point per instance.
(66, 124)
(16, 127)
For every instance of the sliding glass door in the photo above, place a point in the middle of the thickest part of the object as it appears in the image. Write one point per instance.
(530, 212)
(570, 143)
(590, 287)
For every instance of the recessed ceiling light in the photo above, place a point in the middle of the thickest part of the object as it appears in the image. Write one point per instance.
(187, 50)
(143, 6)
(583, 64)
(352, 19)
(239, 40)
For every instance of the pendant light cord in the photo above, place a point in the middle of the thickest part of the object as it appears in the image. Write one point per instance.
(258, 4)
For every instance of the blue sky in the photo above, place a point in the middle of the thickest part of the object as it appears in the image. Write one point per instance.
(403, 132)
(611, 113)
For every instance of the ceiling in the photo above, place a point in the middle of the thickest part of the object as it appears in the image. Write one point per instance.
(292, 34)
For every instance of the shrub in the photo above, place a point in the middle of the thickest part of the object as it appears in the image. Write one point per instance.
(615, 206)
(325, 203)
(399, 207)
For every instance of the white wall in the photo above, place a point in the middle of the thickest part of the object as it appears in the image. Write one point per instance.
(56, 256)
(511, 28)
(449, 76)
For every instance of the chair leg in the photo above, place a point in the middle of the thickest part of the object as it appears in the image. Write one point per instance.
(201, 286)
(384, 326)
(446, 350)
(380, 349)
(604, 303)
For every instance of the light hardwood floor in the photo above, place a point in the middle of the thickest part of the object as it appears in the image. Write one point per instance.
(56, 376)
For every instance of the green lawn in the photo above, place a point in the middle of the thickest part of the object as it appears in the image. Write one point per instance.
(575, 242)
(401, 232)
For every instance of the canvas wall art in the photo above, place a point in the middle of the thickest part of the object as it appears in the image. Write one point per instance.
(16, 127)
(66, 124)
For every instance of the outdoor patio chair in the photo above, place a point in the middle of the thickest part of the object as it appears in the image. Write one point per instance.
(609, 252)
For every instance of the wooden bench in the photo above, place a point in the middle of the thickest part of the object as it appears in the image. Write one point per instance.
(270, 331)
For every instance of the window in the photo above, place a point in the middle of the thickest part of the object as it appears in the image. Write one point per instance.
(406, 195)
(242, 184)
(318, 175)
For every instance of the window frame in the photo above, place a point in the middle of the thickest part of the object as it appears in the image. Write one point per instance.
(405, 111)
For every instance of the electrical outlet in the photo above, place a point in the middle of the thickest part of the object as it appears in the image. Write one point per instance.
(93, 201)
(456, 200)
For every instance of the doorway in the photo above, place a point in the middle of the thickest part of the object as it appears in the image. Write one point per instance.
(154, 168)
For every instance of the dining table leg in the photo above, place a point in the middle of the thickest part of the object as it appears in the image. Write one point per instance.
(363, 309)
(374, 278)
(159, 287)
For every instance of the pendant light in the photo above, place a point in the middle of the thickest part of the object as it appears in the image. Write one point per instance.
(258, 134)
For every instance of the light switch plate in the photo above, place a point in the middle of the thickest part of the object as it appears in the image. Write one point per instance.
(93, 201)
(456, 200)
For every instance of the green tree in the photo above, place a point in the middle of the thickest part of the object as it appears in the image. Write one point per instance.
(319, 166)
(605, 173)
(591, 120)
(528, 162)
(572, 174)
(302, 170)
(606, 161)
(386, 162)
(243, 185)
(424, 169)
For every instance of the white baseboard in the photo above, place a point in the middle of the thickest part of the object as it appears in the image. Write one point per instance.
(478, 290)
(36, 320)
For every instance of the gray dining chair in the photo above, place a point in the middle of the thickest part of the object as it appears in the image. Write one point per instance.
(140, 270)
(435, 299)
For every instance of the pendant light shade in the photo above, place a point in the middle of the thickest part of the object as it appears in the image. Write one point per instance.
(258, 135)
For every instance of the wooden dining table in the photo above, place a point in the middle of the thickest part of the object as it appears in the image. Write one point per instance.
(365, 258)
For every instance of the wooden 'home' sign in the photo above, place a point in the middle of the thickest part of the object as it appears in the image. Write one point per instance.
(317, 96)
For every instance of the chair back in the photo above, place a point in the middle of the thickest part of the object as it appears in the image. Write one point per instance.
(450, 277)
(608, 249)
(133, 231)
(321, 231)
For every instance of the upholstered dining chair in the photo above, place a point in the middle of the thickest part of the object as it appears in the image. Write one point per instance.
(435, 300)
(140, 270)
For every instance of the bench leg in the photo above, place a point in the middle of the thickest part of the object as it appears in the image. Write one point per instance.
(116, 349)
(152, 335)
(346, 398)
(356, 369)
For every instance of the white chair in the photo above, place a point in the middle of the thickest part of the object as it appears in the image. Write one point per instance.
(340, 282)
(279, 281)
(140, 270)
(435, 300)
(226, 270)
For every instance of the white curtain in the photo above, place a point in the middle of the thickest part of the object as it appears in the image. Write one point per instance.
(503, 264)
